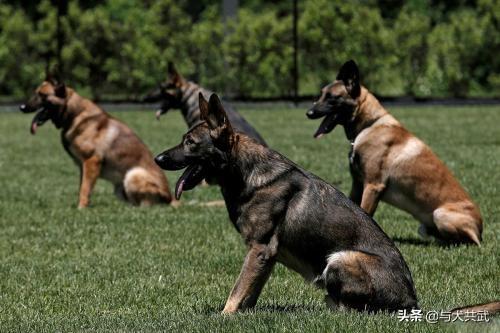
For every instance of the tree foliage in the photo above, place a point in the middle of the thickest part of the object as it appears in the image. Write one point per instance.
(122, 47)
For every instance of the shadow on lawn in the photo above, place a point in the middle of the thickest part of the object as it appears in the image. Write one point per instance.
(289, 308)
(415, 241)
(427, 243)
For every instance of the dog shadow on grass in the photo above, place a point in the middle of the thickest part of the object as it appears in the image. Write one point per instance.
(415, 241)
(264, 308)
(426, 242)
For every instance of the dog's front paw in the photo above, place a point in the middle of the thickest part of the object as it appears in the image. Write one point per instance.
(229, 309)
(175, 203)
(82, 205)
(227, 312)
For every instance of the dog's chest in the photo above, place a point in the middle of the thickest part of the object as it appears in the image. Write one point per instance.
(69, 149)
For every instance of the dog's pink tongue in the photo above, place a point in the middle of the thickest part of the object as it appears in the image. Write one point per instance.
(158, 114)
(34, 127)
(178, 188)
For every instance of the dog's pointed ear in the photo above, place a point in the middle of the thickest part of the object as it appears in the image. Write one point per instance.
(171, 68)
(217, 117)
(203, 107)
(55, 78)
(349, 74)
(174, 75)
(60, 90)
(48, 75)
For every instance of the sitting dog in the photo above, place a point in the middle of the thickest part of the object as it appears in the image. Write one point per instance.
(179, 93)
(287, 215)
(99, 144)
(389, 163)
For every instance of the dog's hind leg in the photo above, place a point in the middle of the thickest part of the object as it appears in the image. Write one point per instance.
(365, 282)
(119, 191)
(348, 281)
(334, 305)
(457, 226)
(141, 188)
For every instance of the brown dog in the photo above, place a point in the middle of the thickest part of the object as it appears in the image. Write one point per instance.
(99, 144)
(389, 163)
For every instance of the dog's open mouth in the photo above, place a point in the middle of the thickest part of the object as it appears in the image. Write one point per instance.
(39, 119)
(191, 177)
(327, 125)
(162, 110)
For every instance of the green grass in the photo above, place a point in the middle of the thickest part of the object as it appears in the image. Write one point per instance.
(113, 267)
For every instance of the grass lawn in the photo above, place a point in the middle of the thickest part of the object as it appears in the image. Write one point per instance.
(113, 267)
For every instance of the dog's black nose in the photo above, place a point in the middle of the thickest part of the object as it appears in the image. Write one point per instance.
(160, 159)
(310, 113)
(22, 107)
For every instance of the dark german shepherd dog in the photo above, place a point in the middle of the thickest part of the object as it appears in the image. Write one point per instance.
(288, 215)
(179, 93)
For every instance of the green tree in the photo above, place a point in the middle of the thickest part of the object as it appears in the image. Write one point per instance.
(20, 65)
(332, 32)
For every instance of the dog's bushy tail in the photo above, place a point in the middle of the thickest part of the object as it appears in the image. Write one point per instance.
(492, 308)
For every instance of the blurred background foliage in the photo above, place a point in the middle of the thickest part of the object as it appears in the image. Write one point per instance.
(121, 48)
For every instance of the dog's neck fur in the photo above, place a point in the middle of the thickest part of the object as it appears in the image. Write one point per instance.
(245, 164)
(73, 112)
(366, 113)
(190, 102)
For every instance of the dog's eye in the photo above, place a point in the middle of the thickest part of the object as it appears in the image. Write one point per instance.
(189, 141)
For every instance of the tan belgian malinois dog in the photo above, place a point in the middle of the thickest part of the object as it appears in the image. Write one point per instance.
(99, 144)
(389, 163)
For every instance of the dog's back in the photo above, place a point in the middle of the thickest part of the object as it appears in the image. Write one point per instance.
(191, 111)
(324, 236)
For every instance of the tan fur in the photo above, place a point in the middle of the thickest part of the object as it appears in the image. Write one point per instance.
(492, 308)
(105, 147)
(395, 166)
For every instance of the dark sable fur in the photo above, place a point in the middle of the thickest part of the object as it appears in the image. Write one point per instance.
(288, 215)
(179, 93)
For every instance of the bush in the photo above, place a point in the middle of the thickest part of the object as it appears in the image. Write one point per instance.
(122, 47)
(20, 64)
(332, 32)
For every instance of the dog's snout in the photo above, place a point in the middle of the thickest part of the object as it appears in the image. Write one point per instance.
(171, 159)
(312, 114)
(160, 159)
